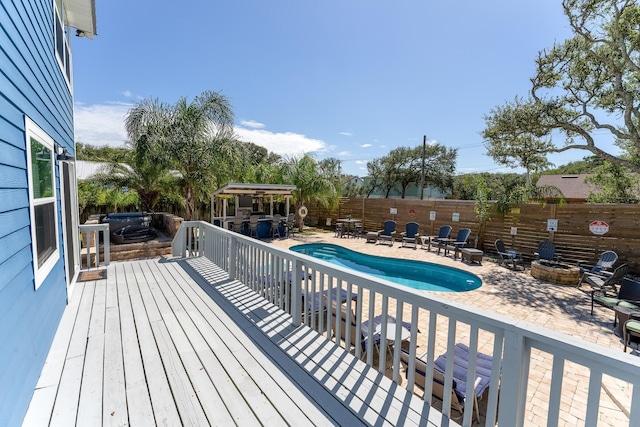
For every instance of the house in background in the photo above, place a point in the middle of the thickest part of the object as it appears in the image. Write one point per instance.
(573, 187)
(39, 214)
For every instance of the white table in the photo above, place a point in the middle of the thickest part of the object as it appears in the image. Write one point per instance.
(391, 334)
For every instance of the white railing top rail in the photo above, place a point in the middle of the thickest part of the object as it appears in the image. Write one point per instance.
(251, 261)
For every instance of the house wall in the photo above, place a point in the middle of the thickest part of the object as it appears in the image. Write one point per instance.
(31, 84)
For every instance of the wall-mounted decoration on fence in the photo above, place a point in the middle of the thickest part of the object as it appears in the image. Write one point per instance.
(552, 225)
(514, 231)
(393, 211)
(412, 212)
(455, 217)
(599, 227)
(432, 215)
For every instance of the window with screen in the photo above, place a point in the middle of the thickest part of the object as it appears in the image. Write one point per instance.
(43, 206)
(61, 36)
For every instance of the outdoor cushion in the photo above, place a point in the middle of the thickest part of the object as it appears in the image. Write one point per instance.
(461, 366)
(633, 325)
(611, 302)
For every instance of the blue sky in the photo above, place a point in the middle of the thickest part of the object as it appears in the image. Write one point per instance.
(345, 79)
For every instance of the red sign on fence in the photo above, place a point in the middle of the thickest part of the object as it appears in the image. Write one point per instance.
(599, 227)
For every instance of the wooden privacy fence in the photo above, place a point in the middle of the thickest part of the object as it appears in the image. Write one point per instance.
(574, 240)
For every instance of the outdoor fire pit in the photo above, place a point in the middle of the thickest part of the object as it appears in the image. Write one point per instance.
(558, 273)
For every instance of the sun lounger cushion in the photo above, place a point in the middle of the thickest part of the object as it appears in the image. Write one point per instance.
(461, 367)
(314, 300)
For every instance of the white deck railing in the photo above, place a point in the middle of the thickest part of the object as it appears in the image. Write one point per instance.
(91, 245)
(516, 346)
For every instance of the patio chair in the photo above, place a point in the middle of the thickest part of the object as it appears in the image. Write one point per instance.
(459, 401)
(253, 225)
(238, 224)
(275, 226)
(339, 230)
(604, 263)
(457, 245)
(290, 224)
(443, 233)
(388, 233)
(631, 328)
(510, 256)
(411, 234)
(602, 287)
(547, 252)
(357, 230)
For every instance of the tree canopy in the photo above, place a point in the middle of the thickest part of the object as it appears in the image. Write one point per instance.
(585, 86)
(403, 166)
(192, 138)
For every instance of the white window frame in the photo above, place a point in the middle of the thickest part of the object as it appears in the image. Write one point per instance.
(33, 131)
(64, 57)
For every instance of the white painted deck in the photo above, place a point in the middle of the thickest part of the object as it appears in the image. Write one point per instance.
(175, 342)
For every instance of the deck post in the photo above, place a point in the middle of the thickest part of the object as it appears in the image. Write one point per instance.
(515, 364)
(233, 255)
(296, 297)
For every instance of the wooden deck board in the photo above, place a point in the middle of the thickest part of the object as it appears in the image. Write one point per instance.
(164, 406)
(176, 343)
(139, 409)
(252, 362)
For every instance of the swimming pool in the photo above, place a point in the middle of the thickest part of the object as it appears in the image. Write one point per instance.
(414, 274)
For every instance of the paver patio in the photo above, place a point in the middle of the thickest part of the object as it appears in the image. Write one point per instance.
(518, 295)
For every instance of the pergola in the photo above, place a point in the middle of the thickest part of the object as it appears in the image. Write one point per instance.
(236, 190)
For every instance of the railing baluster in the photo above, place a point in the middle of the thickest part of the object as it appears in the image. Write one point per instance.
(283, 278)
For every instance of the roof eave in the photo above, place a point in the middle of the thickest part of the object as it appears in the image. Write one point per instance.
(81, 15)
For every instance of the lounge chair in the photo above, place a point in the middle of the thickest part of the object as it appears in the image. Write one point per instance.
(602, 288)
(411, 234)
(347, 317)
(316, 302)
(604, 263)
(388, 233)
(547, 252)
(443, 233)
(456, 245)
(510, 256)
(483, 365)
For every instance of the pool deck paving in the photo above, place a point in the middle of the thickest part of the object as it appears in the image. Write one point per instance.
(518, 295)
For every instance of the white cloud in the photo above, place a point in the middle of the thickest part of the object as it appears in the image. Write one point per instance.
(283, 143)
(252, 124)
(361, 162)
(127, 93)
(345, 133)
(101, 124)
(344, 154)
(366, 145)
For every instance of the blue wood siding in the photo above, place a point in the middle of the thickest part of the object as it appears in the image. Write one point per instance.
(32, 85)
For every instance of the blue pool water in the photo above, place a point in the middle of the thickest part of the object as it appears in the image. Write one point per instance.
(414, 274)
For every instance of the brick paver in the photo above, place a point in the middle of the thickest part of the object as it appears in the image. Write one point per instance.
(518, 295)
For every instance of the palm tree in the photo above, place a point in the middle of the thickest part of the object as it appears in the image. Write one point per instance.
(314, 182)
(149, 179)
(189, 137)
